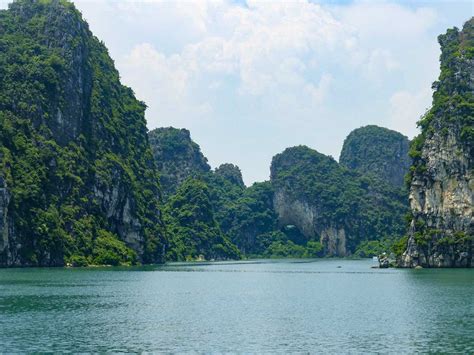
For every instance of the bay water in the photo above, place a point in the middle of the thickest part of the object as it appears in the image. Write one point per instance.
(270, 306)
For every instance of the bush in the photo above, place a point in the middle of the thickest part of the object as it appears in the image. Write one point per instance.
(78, 261)
(400, 246)
(370, 248)
(108, 250)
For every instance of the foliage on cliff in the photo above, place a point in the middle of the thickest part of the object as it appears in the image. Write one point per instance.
(248, 218)
(230, 173)
(378, 151)
(73, 145)
(177, 157)
(364, 206)
(453, 98)
(440, 180)
(193, 230)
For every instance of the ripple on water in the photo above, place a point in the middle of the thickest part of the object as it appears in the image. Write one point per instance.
(266, 306)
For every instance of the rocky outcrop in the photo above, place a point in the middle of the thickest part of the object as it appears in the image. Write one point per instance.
(442, 180)
(67, 34)
(338, 207)
(177, 157)
(73, 141)
(304, 216)
(231, 173)
(4, 221)
(119, 207)
(378, 151)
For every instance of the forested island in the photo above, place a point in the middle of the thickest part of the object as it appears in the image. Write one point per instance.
(83, 182)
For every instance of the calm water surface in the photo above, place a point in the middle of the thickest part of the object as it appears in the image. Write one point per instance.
(333, 306)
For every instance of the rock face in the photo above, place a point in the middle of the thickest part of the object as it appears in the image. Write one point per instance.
(379, 151)
(187, 179)
(334, 205)
(305, 217)
(74, 152)
(4, 216)
(442, 183)
(177, 157)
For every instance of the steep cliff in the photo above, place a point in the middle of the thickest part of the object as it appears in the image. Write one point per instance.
(78, 182)
(177, 157)
(250, 219)
(192, 226)
(331, 204)
(245, 217)
(378, 151)
(442, 183)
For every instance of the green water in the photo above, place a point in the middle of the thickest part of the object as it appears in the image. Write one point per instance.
(332, 306)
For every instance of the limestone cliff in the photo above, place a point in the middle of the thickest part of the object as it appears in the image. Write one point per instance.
(177, 157)
(77, 182)
(442, 180)
(4, 215)
(336, 206)
(378, 151)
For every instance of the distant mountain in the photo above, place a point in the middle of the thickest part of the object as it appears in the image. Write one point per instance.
(312, 205)
(378, 151)
(336, 206)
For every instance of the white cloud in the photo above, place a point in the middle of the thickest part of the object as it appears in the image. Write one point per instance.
(406, 108)
(270, 50)
(251, 79)
(319, 92)
(381, 61)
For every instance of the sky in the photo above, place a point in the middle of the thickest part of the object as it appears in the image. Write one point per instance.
(251, 78)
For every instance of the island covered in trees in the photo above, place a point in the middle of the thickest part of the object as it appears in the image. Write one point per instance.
(83, 182)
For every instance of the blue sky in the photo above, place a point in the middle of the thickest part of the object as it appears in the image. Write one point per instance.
(250, 78)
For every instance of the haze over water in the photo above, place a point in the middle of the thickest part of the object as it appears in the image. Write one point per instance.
(326, 305)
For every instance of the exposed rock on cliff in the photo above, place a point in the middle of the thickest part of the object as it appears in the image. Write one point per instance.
(190, 184)
(4, 218)
(331, 204)
(442, 181)
(177, 157)
(78, 181)
(378, 151)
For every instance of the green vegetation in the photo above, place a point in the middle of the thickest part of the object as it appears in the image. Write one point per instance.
(249, 219)
(239, 220)
(364, 206)
(108, 250)
(378, 151)
(450, 119)
(361, 203)
(193, 230)
(177, 157)
(81, 185)
(453, 100)
(399, 246)
(73, 145)
(288, 249)
(230, 173)
(372, 248)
